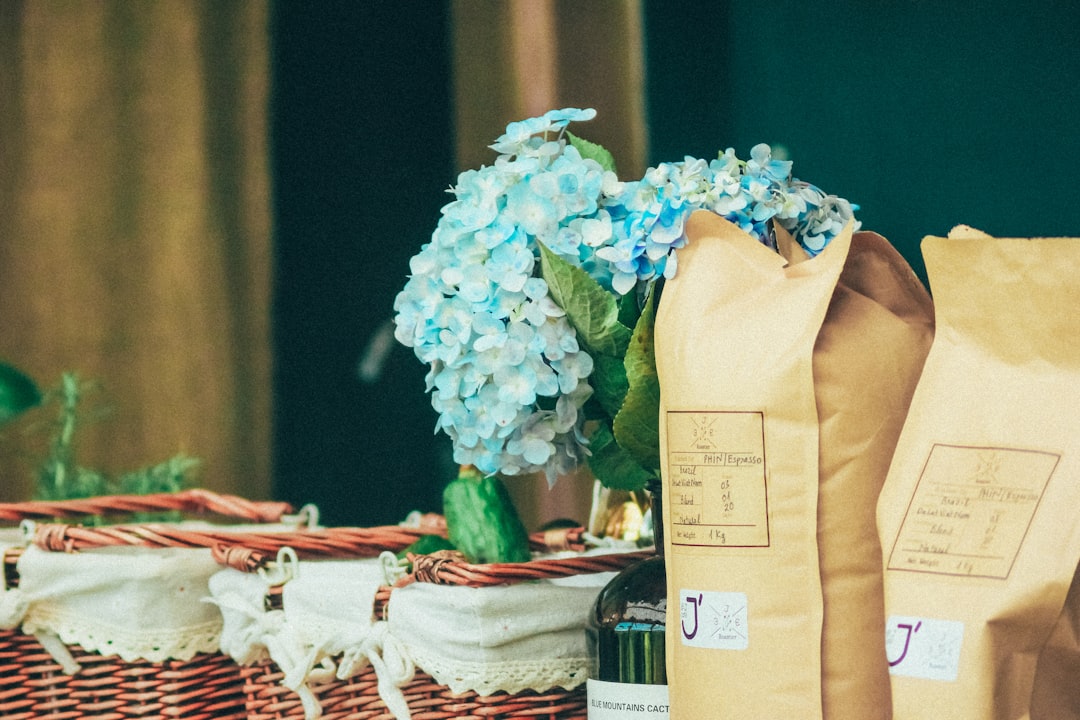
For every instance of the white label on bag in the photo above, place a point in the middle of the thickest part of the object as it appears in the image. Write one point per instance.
(971, 510)
(716, 620)
(626, 701)
(923, 647)
(716, 490)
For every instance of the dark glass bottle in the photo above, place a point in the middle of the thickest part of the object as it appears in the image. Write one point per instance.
(626, 633)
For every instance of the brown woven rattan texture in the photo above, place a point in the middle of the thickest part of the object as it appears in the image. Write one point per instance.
(34, 686)
(446, 569)
(335, 542)
(358, 699)
(187, 501)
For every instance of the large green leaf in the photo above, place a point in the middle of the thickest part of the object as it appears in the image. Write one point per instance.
(17, 392)
(612, 465)
(590, 150)
(591, 310)
(609, 383)
(637, 425)
(640, 351)
(629, 312)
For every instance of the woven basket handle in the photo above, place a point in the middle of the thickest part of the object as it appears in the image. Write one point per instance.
(253, 554)
(445, 569)
(348, 543)
(197, 501)
(229, 547)
(449, 569)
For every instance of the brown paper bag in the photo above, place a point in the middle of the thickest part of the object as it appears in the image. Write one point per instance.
(1056, 695)
(979, 514)
(784, 384)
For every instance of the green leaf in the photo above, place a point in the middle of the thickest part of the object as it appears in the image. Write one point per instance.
(609, 378)
(591, 310)
(609, 383)
(637, 426)
(592, 151)
(612, 465)
(629, 312)
(640, 351)
(60, 482)
(169, 476)
(18, 392)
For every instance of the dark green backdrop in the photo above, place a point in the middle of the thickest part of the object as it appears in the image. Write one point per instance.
(927, 114)
(362, 153)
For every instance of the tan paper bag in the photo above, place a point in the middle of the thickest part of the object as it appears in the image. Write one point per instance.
(980, 514)
(784, 384)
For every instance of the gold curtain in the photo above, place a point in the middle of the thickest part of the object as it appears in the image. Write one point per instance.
(135, 225)
(515, 59)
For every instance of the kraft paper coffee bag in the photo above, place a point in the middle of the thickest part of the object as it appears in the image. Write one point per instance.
(980, 514)
(784, 384)
(1056, 695)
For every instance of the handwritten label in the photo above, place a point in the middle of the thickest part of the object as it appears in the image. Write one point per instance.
(717, 620)
(924, 647)
(716, 479)
(971, 510)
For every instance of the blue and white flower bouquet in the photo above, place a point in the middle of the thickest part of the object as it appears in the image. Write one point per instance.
(533, 302)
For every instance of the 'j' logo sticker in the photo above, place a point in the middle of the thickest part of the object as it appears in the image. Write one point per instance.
(923, 647)
(715, 620)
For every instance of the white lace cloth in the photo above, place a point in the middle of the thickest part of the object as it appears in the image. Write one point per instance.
(137, 603)
(132, 602)
(503, 638)
(323, 631)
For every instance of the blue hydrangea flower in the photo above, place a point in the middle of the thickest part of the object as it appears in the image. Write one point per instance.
(507, 376)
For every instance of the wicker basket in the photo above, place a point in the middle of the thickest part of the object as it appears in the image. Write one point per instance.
(357, 698)
(209, 685)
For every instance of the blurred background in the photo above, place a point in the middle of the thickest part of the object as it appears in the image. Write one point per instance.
(208, 207)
